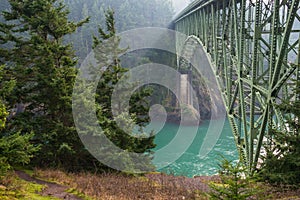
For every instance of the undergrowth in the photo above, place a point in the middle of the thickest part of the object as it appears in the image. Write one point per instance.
(120, 186)
(13, 188)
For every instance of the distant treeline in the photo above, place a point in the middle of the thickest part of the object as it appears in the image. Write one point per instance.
(129, 14)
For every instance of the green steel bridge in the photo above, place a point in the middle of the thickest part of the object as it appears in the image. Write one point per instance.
(253, 47)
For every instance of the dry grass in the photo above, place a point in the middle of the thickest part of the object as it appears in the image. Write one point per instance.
(9, 182)
(122, 187)
(152, 186)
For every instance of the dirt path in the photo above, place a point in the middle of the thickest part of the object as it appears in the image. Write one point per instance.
(52, 189)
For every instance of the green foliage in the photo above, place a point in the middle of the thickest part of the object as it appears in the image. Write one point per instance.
(234, 183)
(15, 148)
(282, 161)
(107, 51)
(6, 87)
(3, 115)
(44, 69)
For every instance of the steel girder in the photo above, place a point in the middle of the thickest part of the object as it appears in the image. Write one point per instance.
(254, 51)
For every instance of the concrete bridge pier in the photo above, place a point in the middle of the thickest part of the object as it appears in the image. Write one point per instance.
(185, 89)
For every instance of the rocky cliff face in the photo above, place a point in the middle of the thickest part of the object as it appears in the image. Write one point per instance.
(202, 108)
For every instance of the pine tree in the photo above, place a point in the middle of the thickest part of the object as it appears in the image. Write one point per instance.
(44, 68)
(235, 185)
(15, 148)
(107, 55)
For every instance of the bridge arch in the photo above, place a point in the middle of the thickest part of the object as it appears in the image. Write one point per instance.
(254, 52)
(194, 60)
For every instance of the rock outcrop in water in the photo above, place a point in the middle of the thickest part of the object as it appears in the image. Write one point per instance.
(190, 117)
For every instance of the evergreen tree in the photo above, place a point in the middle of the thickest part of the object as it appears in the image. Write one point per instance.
(107, 51)
(234, 183)
(44, 68)
(14, 147)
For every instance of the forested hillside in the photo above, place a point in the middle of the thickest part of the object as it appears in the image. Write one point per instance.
(129, 14)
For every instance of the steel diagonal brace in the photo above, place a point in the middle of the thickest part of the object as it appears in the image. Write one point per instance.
(284, 45)
(284, 78)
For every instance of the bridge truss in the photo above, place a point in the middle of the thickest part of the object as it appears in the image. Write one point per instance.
(253, 46)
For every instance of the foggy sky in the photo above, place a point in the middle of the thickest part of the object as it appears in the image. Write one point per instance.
(180, 4)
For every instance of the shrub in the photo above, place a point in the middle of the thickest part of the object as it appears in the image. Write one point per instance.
(234, 185)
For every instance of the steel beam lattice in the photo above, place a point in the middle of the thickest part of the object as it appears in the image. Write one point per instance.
(253, 46)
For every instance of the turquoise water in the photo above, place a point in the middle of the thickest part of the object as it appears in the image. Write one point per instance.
(190, 163)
